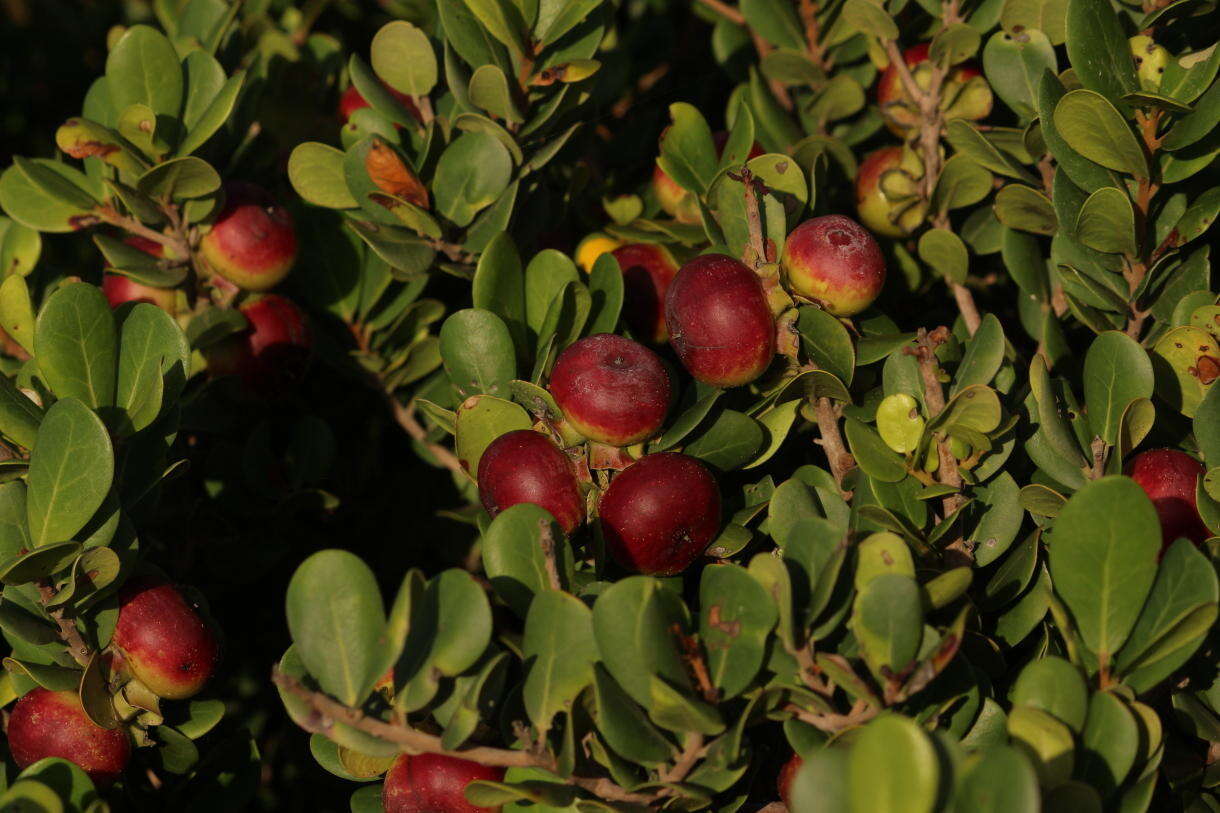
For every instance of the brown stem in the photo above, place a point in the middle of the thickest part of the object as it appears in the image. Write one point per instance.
(934, 397)
(840, 460)
(757, 244)
(327, 711)
(1099, 459)
(108, 214)
(965, 304)
(404, 414)
(813, 35)
(931, 122)
(778, 90)
(546, 539)
(860, 714)
(726, 11)
(68, 633)
(692, 752)
(452, 251)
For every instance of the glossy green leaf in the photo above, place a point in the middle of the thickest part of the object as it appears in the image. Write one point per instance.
(910, 782)
(559, 650)
(75, 342)
(71, 471)
(402, 55)
(1091, 126)
(336, 619)
(1102, 559)
(1116, 372)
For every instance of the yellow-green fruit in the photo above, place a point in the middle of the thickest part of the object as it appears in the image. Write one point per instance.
(592, 247)
(899, 212)
(1150, 61)
(899, 422)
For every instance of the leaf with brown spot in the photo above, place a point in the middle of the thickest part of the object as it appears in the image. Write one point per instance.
(391, 174)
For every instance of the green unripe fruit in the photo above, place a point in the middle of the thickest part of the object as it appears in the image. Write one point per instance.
(1150, 61)
(899, 422)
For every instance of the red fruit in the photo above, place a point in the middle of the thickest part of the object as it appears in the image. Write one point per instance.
(1169, 478)
(676, 201)
(54, 724)
(252, 242)
(786, 776)
(164, 640)
(525, 466)
(896, 106)
(272, 353)
(611, 389)
(434, 783)
(660, 513)
(719, 321)
(834, 261)
(648, 270)
(120, 289)
(351, 101)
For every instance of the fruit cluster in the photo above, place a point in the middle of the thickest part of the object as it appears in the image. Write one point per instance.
(849, 440)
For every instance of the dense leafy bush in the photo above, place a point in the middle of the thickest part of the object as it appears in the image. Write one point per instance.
(616, 405)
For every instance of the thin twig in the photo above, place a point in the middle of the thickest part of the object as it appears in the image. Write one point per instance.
(327, 711)
(68, 633)
(546, 539)
(778, 90)
(108, 214)
(692, 752)
(404, 414)
(840, 460)
(934, 397)
(860, 714)
(726, 11)
(931, 122)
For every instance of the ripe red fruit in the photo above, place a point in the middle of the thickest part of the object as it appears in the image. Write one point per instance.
(611, 389)
(648, 270)
(1169, 478)
(834, 261)
(351, 101)
(896, 106)
(525, 466)
(119, 289)
(786, 776)
(54, 724)
(676, 201)
(164, 640)
(660, 513)
(252, 242)
(434, 783)
(272, 353)
(719, 321)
